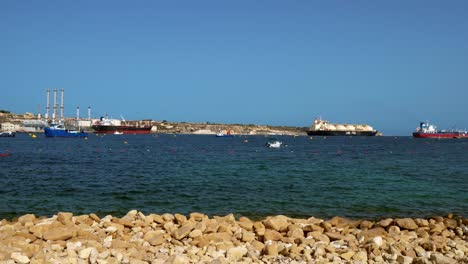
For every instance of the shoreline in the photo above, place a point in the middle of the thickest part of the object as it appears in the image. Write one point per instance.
(197, 238)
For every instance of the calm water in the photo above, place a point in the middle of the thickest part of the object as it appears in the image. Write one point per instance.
(352, 177)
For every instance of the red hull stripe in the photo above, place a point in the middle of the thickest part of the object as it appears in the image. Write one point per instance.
(439, 135)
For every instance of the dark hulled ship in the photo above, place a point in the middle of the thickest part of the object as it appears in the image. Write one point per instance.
(111, 126)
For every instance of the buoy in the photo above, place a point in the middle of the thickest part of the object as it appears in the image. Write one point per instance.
(33, 136)
(125, 142)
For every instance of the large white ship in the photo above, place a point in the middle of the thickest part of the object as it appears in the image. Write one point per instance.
(324, 128)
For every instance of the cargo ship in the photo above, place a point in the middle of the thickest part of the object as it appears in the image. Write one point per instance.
(114, 126)
(59, 130)
(324, 128)
(426, 130)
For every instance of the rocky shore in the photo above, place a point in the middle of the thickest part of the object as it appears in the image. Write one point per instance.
(197, 238)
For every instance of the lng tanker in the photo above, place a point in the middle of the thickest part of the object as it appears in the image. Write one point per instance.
(324, 128)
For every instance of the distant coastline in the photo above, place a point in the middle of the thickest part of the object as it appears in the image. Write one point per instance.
(26, 123)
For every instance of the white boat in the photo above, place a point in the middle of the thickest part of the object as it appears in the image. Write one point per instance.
(274, 144)
(118, 133)
(7, 134)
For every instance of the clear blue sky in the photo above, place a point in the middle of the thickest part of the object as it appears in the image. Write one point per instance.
(386, 63)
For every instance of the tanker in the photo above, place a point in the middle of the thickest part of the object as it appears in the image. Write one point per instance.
(324, 128)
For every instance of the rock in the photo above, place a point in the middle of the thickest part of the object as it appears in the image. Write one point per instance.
(155, 238)
(95, 218)
(247, 236)
(168, 217)
(59, 233)
(130, 216)
(258, 245)
(259, 228)
(236, 253)
(195, 233)
(394, 230)
(197, 217)
(177, 259)
(311, 228)
(334, 236)
(360, 256)
(384, 223)
(437, 228)
(19, 258)
(246, 225)
(373, 232)
(278, 223)
(86, 252)
(343, 222)
(217, 237)
(450, 223)
(272, 235)
(366, 224)
(421, 222)
(27, 218)
(65, 218)
(347, 255)
(271, 249)
(377, 241)
(319, 236)
(296, 233)
(180, 219)
(404, 259)
(407, 223)
(441, 259)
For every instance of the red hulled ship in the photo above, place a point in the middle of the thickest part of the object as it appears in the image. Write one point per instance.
(426, 130)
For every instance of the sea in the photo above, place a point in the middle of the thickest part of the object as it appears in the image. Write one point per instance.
(354, 177)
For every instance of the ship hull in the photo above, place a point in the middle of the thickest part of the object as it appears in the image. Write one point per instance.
(121, 129)
(50, 132)
(440, 135)
(341, 133)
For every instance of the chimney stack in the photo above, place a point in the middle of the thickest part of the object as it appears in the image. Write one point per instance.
(89, 113)
(54, 114)
(47, 106)
(62, 107)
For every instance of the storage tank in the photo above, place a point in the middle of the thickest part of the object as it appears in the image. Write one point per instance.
(359, 127)
(350, 127)
(340, 127)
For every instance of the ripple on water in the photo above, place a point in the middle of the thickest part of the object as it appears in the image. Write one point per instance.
(354, 177)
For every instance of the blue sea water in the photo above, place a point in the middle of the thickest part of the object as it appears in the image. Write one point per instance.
(356, 177)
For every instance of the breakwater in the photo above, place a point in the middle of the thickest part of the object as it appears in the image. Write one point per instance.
(197, 238)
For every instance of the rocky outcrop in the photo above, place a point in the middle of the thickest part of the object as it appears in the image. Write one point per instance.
(197, 238)
(235, 129)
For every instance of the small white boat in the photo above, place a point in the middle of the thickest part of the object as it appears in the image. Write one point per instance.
(7, 134)
(118, 133)
(274, 144)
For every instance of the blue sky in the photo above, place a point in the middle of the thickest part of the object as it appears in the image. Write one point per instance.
(386, 63)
